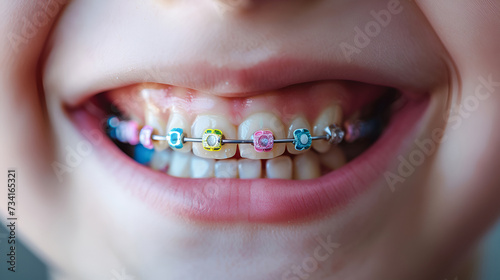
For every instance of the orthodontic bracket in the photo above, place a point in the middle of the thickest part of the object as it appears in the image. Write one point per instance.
(262, 140)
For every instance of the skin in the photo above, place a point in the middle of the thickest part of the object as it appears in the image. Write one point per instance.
(86, 227)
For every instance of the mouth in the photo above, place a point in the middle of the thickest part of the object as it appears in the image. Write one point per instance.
(198, 155)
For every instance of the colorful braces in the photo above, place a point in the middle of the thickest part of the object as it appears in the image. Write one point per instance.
(145, 137)
(263, 141)
(176, 138)
(303, 139)
(213, 139)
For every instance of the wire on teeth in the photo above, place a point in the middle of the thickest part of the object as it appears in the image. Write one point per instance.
(213, 139)
(262, 140)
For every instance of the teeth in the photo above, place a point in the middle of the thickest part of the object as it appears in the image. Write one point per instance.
(204, 122)
(160, 160)
(202, 167)
(306, 166)
(261, 121)
(180, 164)
(333, 159)
(261, 127)
(297, 123)
(226, 169)
(279, 168)
(154, 120)
(331, 115)
(178, 120)
(249, 168)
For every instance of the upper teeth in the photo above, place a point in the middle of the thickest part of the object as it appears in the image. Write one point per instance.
(213, 139)
(259, 136)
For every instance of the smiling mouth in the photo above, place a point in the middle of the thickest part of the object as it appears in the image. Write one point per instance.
(284, 134)
(203, 156)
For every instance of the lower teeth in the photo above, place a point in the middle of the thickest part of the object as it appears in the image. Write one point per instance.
(309, 165)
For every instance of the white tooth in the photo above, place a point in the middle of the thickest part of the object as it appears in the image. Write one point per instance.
(279, 168)
(306, 166)
(160, 159)
(178, 120)
(333, 159)
(160, 127)
(226, 168)
(249, 168)
(298, 122)
(202, 167)
(261, 121)
(180, 164)
(331, 115)
(204, 122)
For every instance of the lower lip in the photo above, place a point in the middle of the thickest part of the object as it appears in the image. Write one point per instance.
(257, 200)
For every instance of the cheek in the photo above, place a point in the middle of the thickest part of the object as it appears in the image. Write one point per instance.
(463, 185)
(472, 136)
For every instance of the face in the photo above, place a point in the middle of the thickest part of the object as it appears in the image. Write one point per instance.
(365, 136)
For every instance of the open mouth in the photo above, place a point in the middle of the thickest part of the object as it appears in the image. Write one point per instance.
(188, 134)
(268, 156)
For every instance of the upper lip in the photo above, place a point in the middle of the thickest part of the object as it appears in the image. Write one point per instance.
(243, 80)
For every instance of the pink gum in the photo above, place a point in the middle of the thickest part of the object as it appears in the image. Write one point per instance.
(304, 99)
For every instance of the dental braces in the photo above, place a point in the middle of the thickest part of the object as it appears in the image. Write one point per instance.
(213, 139)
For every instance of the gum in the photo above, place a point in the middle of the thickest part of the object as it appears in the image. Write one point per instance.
(308, 99)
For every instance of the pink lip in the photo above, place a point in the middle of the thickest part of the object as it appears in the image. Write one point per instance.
(260, 200)
(275, 73)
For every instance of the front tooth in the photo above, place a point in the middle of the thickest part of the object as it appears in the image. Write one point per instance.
(178, 120)
(306, 166)
(154, 120)
(160, 159)
(279, 168)
(226, 168)
(202, 167)
(204, 122)
(331, 115)
(249, 168)
(297, 123)
(180, 164)
(261, 121)
(333, 159)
